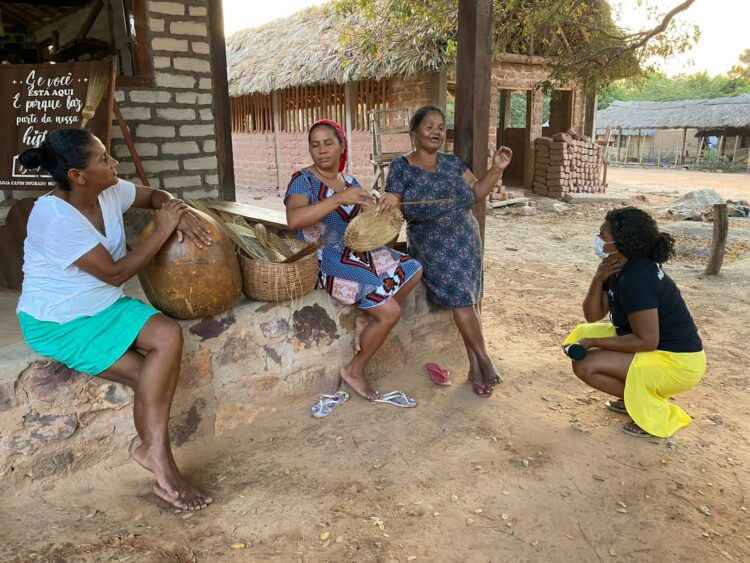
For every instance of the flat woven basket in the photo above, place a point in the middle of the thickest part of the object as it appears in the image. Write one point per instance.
(275, 281)
(371, 229)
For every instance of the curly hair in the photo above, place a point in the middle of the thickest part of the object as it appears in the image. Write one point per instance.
(636, 235)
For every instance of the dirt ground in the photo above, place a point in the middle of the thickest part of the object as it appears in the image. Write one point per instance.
(539, 472)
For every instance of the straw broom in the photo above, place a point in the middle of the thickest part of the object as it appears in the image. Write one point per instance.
(97, 87)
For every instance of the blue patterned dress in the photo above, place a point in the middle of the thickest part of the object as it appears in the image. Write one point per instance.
(362, 279)
(444, 237)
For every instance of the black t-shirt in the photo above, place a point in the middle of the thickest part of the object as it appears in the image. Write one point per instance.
(642, 285)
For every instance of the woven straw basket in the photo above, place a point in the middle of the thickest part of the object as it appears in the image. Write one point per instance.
(274, 281)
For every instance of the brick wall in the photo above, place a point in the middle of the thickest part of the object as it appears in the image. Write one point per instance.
(254, 161)
(172, 122)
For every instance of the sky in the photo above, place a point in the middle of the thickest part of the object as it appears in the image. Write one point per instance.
(723, 25)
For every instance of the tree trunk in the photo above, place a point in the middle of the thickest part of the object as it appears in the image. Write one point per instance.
(719, 242)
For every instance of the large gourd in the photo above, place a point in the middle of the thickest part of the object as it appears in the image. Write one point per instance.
(188, 282)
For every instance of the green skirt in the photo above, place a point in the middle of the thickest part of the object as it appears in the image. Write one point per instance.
(89, 344)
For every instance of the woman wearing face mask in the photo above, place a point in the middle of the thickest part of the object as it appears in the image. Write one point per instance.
(651, 350)
(443, 232)
(320, 203)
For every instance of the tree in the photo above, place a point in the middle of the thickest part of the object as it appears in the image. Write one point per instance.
(742, 70)
(578, 36)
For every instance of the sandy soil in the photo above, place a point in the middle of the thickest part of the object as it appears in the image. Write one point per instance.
(447, 481)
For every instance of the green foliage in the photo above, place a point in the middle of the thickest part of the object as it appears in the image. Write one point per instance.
(742, 70)
(578, 36)
(659, 88)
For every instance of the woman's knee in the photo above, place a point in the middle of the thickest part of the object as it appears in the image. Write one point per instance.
(582, 370)
(390, 313)
(164, 334)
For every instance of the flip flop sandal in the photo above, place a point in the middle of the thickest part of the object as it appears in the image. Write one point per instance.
(632, 429)
(327, 403)
(617, 405)
(481, 389)
(438, 375)
(397, 399)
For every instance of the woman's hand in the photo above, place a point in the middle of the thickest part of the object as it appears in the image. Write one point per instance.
(355, 196)
(502, 158)
(388, 202)
(170, 214)
(194, 229)
(610, 266)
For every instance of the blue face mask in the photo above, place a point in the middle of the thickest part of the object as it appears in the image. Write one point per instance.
(599, 247)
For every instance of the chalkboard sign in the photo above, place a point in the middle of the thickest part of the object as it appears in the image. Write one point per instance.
(36, 99)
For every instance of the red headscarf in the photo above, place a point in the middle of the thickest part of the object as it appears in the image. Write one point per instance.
(344, 144)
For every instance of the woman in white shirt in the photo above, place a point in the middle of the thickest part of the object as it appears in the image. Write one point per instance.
(72, 307)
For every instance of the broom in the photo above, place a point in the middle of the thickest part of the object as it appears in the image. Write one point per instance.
(97, 87)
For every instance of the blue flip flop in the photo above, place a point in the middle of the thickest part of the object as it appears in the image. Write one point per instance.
(397, 399)
(327, 403)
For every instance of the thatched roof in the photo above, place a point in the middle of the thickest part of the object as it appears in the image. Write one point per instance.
(712, 115)
(304, 49)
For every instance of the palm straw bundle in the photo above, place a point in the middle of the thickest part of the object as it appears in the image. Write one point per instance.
(372, 229)
(97, 87)
(273, 268)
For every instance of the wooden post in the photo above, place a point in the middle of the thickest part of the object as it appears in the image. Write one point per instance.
(627, 148)
(473, 86)
(350, 107)
(734, 153)
(699, 157)
(658, 156)
(684, 140)
(619, 144)
(719, 242)
(608, 138)
(721, 146)
(220, 85)
(276, 137)
(640, 146)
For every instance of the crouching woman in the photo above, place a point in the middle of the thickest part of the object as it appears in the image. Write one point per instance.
(651, 350)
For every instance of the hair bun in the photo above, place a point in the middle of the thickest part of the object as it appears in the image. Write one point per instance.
(31, 159)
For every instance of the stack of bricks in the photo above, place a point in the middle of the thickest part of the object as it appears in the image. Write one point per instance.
(566, 163)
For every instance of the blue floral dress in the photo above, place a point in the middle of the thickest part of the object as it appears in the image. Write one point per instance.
(444, 237)
(362, 279)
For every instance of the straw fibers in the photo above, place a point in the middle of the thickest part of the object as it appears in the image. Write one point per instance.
(371, 229)
(97, 87)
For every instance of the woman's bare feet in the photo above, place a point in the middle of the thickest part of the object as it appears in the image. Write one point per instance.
(170, 485)
(359, 383)
(360, 324)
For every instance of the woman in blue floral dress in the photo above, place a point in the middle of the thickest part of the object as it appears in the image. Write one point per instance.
(443, 233)
(320, 203)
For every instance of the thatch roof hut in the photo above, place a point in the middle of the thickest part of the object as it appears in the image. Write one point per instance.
(304, 49)
(719, 116)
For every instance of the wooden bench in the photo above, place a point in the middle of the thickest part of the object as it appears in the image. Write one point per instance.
(275, 218)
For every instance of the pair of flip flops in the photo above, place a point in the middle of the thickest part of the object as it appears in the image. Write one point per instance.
(327, 403)
(438, 375)
(397, 399)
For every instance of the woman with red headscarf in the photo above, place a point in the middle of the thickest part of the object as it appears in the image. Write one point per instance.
(320, 203)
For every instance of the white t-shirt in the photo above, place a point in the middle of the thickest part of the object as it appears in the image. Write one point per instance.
(54, 288)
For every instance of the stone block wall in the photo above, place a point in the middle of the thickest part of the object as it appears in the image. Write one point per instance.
(235, 367)
(172, 121)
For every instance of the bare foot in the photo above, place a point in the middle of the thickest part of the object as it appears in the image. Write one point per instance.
(359, 327)
(494, 379)
(170, 485)
(359, 383)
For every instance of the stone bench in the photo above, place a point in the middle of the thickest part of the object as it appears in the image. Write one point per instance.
(54, 420)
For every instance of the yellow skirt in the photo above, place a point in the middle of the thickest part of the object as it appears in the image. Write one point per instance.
(652, 378)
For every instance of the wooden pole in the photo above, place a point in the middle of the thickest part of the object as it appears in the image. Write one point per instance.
(473, 86)
(640, 146)
(684, 141)
(606, 144)
(350, 109)
(658, 156)
(131, 146)
(734, 153)
(721, 146)
(719, 241)
(225, 155)
(277, 137)
(699, 157)
(619, 143)
(627, 148)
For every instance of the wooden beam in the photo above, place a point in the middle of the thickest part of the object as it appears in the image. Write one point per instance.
(658, 156)
(719, 241)
(734, 153)
(276, 137)
(223, 126)
(619, 144)
(640, 146)
(473, 86)
(684, 141)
